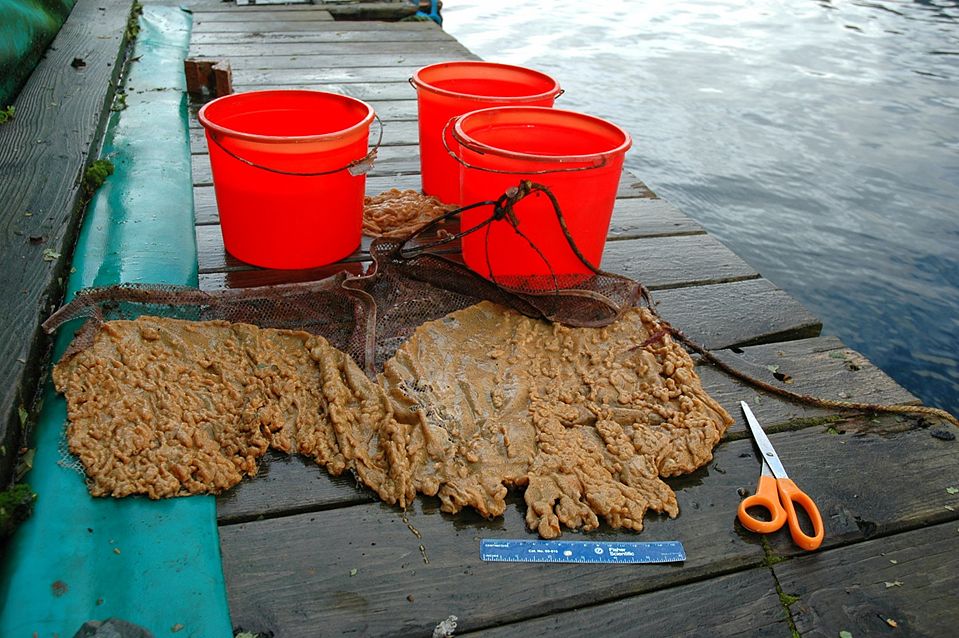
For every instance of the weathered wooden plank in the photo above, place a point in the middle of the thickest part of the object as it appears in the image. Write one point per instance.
(299, 484)
(60, 118)
(242, 55)
(701, 259)
(212, 32)
(211, 17)
(742, 605)
(879, 482)
(361, 576)
(368, 92)
(340, 75)
(740, 313)
(213, 257)
(281, 53)
(675, 261)
(224, 12)
(821, 367)
(903, 585)
(340, 71)
(208, 28)
(370, 10)
(253, 277)
(641, 217)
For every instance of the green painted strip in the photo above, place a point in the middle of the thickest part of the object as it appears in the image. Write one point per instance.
(153, 563)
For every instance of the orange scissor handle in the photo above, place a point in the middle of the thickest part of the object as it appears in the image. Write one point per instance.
(767, 498)
(792, 496)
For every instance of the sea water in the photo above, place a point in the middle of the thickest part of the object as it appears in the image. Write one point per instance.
(818, 140)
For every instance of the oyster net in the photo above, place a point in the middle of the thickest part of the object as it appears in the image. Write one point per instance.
(409, 282)
(628, 414)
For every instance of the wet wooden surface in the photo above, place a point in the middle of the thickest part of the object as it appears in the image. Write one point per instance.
(307, 554)
(59, 119)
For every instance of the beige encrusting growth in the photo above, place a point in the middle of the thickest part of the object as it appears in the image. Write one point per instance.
(476, 403)
(396, 213)
(586, 419)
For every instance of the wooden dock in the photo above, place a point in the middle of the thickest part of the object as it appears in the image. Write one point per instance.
(307, 554)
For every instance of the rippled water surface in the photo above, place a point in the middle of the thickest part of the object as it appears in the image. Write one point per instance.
(818, 140)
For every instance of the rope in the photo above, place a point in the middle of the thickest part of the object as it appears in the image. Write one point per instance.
(503, 210)
(707, 355)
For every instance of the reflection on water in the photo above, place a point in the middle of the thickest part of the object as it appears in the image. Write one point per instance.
(819, 140)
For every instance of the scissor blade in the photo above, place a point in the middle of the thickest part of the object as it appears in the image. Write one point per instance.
(765, 446)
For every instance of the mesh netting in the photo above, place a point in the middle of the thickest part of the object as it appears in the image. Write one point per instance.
(410, 282)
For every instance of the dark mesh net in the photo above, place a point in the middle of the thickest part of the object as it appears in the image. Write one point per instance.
(411, 281)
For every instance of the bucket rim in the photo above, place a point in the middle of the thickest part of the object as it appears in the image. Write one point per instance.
(282, 139)
(419, 83)
(463, 139)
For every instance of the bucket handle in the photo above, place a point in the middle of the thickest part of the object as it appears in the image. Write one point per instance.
(359, 166)
(412, 82)
(493, 170)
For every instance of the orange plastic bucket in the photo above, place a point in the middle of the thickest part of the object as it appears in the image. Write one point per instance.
(453, 88)
(578, 157)
(283, 171)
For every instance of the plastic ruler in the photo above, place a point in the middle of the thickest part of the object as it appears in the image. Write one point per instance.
(541, 551)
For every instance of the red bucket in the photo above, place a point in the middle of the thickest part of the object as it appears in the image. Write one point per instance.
(286, 190)
(578, 157)
(453, 88)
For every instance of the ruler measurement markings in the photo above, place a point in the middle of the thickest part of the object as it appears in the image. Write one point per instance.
(542, 551)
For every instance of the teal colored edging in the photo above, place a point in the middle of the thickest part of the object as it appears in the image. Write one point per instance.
(153, 563)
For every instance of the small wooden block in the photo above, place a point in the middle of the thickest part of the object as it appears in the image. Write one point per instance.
(214, 76)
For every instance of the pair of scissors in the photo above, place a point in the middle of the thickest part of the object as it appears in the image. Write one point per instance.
(778, 495)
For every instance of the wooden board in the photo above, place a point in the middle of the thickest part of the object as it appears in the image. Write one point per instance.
(341, 54)
(744, 604)
(675, 261)
(684, 260)
(736, 314)
(910, 579)
(60, 118)
(356, 565)
(270, 53)
(311, 582)
(206, 32)
(820, 367)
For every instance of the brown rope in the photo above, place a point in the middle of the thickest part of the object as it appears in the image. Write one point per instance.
(796, 396)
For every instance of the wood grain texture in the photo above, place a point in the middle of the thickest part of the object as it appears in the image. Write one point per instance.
(675, 261)
(310, 581)
(301, 30)
(268, 588)
(902, 585)
(60, 118)
(267, 52)
(857, 503)
(820, 367)
(736, 314)
(744, 604)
